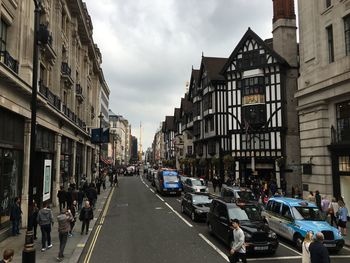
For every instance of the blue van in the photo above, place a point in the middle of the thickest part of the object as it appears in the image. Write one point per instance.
(168, 182)
(293, 218)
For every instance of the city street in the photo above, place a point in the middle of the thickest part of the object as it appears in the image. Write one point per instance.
(141, 226)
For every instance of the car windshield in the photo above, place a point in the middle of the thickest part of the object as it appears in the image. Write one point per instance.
(201, 199)
(171, 179)
(253, 213)
(197, 183)
(237, 213)
(307, 213)
(246, 195)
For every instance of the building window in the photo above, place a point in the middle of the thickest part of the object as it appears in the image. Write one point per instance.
(330, 44)
(3, 35)
(328, 3)
(344, 163)
(189, 150)
(343, 121)
(347, 34)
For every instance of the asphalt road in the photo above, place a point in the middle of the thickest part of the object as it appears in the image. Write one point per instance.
(139, 226)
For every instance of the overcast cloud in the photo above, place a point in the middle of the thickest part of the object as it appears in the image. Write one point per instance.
(149, 47)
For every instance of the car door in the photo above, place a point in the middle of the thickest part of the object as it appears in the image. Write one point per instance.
(286, 221)
(185, 203)
(223, 223)
(273, 215)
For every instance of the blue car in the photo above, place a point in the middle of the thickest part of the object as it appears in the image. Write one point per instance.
(168, 182)
(293, 218)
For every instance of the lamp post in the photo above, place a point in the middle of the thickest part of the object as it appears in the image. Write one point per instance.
(100, 116)
(28, 253)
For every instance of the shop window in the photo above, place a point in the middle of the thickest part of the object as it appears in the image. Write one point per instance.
(343, 121)
(344, 163)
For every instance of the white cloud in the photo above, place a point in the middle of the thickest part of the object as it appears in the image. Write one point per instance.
(149, 46)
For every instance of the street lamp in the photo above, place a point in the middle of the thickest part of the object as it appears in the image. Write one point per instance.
(100, 116)
(28, 253)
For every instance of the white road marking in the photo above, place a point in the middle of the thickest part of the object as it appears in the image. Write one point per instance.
(158, 208)
(151, 190)
(295, 251)
(160, 197)
(340, 256)
(183, 219)
(214, 247)
(346, 248)
(275, 258)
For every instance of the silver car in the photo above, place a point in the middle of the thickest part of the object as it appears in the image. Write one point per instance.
(194, 185)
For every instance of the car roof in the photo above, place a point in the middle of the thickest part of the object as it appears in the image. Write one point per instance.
(228, 204)
(293, 201)
(237, 188)
(194, 194)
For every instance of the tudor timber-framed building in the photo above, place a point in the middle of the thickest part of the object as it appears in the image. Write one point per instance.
(68, 99)
(262, 118)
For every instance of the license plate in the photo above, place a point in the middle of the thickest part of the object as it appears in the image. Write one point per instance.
(261, 248)
(329, 245)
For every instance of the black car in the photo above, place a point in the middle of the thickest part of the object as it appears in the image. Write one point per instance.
(196, 205)
(258, 236)
(238, 195)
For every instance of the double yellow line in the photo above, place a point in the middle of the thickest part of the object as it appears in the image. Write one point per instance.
(98, 229)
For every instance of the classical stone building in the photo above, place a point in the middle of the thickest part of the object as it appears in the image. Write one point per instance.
(69, 87)
(324, 96)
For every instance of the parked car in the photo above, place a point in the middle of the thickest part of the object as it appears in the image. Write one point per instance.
(168, 182)
(293, 218)
(258, 236)
(130, 170)
(194, 185)
(196, 205)
(238, 195)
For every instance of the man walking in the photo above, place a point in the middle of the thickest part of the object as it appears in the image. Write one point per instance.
(45, 220)
(86, 214)
(15, 216)
(62, 197)
(238, 248)
(63, 219)
(318, 252)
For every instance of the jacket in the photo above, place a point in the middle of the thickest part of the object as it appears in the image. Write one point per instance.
(64, 222)
(86, 214)
(45, 216)
(238, 241)
(16, 212)
(318, 253)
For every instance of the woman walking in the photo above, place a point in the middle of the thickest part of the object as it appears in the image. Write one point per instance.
(342, 217)
(305, 248)
(333, 211)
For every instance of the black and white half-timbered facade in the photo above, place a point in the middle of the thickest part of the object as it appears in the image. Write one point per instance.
(258, 108)
(209, 115)
(169, 138)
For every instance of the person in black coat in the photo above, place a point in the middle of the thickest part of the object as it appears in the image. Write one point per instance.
(15, 216)
(33, 214)
(62, 197)
(318, 199)
(318, 252)
(86, 214)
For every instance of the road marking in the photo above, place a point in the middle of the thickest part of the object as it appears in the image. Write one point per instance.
(158, 208)
(340, 256)
(275, 258)
(98, 229)
(295, 251)
(160, 197)
(183, 219)
(214, 247)
(81, 245)
(348, 249)
(151, 190)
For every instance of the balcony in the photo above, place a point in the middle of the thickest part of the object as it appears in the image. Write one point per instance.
(79, 93)
(66, 75)
(9, 61)
(47, 49)
(51, 98)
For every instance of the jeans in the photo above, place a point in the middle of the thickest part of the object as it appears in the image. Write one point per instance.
(63, 241)
(85, 224)
(236, 256)
(15, 227)
(46, 235)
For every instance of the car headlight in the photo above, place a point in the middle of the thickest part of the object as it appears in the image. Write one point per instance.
(272, 235)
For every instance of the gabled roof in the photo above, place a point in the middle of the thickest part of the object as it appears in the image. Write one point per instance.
(194, 79)
(251, 34)
(213, 67)
(186, 105)
(169, 123)
(177, 116)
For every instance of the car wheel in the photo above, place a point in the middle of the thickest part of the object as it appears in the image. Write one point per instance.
(210, 228)
(193, 216)
(298, 239)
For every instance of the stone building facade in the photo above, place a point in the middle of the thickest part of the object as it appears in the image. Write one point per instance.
(70, 79)
(324, 96)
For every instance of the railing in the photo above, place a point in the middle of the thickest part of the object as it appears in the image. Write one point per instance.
(9, 61)
(342, 134)
(65, 69)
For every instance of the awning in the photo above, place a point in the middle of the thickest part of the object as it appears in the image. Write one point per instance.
(106, 161)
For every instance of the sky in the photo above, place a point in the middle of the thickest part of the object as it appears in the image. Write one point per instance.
(150, 46)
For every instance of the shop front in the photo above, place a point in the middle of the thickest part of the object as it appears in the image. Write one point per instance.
(11, 160)
(66, 169)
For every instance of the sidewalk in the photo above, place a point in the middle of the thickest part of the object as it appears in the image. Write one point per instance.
(75, 244)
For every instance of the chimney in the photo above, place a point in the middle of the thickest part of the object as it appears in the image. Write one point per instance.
(284, 30)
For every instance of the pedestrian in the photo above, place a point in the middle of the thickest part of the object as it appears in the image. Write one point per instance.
(73, 210)
(325, 206)
(318, 200)
(237, 248)
(86, 214)
(284, 186)
(311, 197)
(63, 219)
(16, 216)
(305, 258)
(69, 196)
(219, 182)
(98, 184)
(214, 182)
(273, 187)
(80, 198)
(45, 221)
(333, 211)
(33, 214)
(62, 197)
(115, 180)
(318, 252)
(91, 194)
(342, 217)
(7, 256)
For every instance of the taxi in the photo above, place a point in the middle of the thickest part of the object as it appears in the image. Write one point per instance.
(293, 218)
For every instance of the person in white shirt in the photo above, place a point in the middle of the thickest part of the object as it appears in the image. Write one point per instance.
(238, 250)
(333, 210)
(305, 258)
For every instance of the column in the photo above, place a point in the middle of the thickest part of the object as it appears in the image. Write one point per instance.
(57, 157)
(88, 161)
(74, 162)
(26, 158)
(84, 159)
(278, 174)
